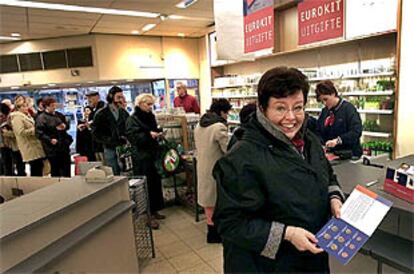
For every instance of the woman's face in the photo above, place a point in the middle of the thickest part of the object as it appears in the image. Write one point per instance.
(146, 106)
(24, 108)
(287, 113)
(86, 112)
(328, 100)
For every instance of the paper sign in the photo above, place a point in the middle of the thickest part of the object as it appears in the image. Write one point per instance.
(361, 214)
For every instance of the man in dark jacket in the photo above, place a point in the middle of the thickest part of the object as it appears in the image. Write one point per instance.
(108, 127)
(51, 129)
(95, 103)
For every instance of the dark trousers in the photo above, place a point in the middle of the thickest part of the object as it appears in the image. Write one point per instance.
(60, 165)
(36, 167)
(18, 163)
(6, 155)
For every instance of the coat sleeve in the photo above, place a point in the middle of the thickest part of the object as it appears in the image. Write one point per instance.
(196, 107)
(334, 189)
(136, 134)
(40, 130)
(354, 123)
(222, 137)
(19, 129)
(98, 128)
(239, 198)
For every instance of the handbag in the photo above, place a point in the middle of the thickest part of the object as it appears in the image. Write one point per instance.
(124, 153)
(169, 159)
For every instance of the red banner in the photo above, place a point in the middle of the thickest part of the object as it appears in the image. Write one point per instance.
(258, 25)
(320, 20)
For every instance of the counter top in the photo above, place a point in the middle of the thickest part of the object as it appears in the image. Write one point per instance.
(351, 174)
(27, 211)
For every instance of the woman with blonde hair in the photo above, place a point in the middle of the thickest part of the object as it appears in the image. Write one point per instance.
(142, 132)
(30, 147)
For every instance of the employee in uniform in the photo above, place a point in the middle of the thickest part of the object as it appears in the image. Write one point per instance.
(339, 124)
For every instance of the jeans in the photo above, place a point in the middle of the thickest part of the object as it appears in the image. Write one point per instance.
(111, 159)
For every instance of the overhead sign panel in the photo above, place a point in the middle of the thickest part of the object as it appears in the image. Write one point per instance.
(320, 20)
(259, 33)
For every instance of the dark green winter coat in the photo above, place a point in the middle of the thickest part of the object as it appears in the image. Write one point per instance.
(264, 184)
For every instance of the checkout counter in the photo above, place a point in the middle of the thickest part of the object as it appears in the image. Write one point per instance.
(393, 242)
(69, 226)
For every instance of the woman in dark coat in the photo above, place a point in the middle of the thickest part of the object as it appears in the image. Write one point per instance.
(339, 124)
(51, 129)
(275, 188)
(84, 144)
(142, 132)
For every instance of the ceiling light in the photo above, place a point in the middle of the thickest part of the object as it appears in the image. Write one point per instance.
(9, 38)
(163, 17)
(16, 87)
(135, 32)
(15, 34)
(51, 85)
(185, 4)
(130, 80)
(148, 27)
(64, 7)
(180, 34)
(175, 17)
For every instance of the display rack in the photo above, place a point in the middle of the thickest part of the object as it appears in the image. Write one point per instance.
(144, 240)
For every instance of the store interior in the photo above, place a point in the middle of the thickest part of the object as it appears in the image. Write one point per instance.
(69, 49)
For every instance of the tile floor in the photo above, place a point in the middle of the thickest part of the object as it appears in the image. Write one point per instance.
(180, 246)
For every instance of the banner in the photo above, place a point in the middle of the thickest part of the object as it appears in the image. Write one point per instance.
(320, 20)
(258, 25)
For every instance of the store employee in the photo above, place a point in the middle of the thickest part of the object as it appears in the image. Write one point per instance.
(339, 124)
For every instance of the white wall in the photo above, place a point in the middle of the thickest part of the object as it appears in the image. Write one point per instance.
(116, 57)
(405, 129)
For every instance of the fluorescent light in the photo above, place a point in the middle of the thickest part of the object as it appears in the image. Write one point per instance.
(16, 87)
(148, 27)
(130, 80)
(64, 7)
(135, 32)
(15, 34)
(51, 85)
(180, 34)
(185, 4)
(9, 38)
(175, 17)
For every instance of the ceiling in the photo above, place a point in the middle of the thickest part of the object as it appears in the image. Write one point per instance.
(33, 23)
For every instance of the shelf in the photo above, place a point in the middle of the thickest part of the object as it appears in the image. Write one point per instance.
(362, 93)
(376, 111)
(235, 86)
(356, 76)
(233, 96)
(367, 111)
(376, 134)
(313, 109)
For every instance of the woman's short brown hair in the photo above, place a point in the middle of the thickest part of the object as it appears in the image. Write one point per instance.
(281, 82)
(48, 101)
(325, 88)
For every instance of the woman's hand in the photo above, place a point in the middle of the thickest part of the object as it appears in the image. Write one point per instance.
(332, 143)
(154, 134)
(336, 205)
(302, 239)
